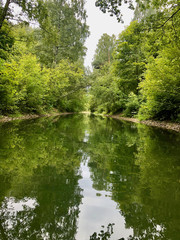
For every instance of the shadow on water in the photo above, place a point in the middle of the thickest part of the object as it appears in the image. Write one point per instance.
(40, 195)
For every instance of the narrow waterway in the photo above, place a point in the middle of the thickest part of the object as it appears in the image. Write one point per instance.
(80, 177)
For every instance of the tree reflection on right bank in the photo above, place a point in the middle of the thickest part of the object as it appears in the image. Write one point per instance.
(140, 167)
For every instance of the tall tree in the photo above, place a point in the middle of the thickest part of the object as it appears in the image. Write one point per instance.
(104, 50)
(63, 32)
(129, 59)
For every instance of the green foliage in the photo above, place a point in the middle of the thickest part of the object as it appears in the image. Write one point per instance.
(145, 65)
(23, 85)
(132, 105)
(113, 7)
(105, 94)
(66, 86)
(104, 50)
(43, 67)
(161, 87)
(26, 87)
(63, 32)
(30, 10)
(8, 91)
(113, 90)
(6, 40)
(129, 59)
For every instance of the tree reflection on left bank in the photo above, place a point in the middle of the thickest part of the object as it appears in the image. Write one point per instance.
(40, 195)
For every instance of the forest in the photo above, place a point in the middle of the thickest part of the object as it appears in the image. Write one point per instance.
(42, 51)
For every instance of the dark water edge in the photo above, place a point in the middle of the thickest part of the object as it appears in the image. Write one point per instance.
(66, 177)
(9, 118)
(174, 126)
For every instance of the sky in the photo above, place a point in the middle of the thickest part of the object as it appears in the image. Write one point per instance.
(100, 23)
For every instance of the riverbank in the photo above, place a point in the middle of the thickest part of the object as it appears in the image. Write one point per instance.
(159, 124)
(4, 119)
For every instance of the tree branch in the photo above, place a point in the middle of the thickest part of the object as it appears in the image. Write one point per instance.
(169, 18)
(162, 25)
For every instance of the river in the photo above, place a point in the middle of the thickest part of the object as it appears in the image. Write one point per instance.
(80, 177)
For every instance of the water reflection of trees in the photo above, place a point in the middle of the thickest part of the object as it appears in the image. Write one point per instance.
(39, 162)
(139, 165)
(39, 165)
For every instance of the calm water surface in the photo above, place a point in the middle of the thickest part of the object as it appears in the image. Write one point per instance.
(74, 177)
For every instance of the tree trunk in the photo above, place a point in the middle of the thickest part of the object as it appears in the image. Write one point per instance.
(4, 12)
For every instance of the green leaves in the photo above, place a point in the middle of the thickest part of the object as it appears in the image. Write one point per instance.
(161, 87)
(6, 40)
(65, 85)
(128, 62)
(25, 87)
(105, 94)
(104, 50)
(145, 65)
(40, 72)
(63, 32)
(113, 7)
(22, 85)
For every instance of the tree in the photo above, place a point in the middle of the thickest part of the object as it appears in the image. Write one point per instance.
(63, 32)
(160, 88)
(66, 86)
(114, 90)
(6, 40)
(105, 96)
(104, 50)
(32, 9)
(129, 60)
(23, 85)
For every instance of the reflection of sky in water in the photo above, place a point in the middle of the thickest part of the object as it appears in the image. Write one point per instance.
(11, 206)
(98, 209)
(86, 136)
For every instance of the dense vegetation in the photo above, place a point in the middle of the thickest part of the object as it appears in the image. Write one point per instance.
(41, 56)
(143, 79)
(42, 50)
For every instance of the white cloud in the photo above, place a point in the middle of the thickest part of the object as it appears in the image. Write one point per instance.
(100, 23)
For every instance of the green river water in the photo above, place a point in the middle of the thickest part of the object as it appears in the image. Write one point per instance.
(76, 176)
